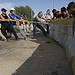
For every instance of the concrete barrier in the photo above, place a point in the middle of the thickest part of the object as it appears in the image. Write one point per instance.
(73, 67)
(63, 31)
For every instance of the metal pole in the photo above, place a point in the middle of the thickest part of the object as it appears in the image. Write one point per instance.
(31, 9)
(53, 4)
(31, 15)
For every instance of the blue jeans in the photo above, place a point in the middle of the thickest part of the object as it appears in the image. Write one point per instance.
(40, 27)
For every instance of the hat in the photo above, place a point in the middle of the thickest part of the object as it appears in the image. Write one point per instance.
(12, 9)
(3, 9)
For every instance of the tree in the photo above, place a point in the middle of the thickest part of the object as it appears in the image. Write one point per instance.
(25, 10)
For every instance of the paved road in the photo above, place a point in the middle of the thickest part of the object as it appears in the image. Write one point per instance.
(37, 56)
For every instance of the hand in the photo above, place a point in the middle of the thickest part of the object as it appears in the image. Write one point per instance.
(0, 19)
(26, 21)
(10, 19)
(7, 19)
(42, 22)
(20, 20)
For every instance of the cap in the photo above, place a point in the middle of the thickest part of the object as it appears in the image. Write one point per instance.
(12, 9)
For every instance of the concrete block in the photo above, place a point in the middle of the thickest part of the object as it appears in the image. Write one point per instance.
(73, 67)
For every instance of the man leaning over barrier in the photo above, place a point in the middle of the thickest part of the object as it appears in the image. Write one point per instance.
(17, 18)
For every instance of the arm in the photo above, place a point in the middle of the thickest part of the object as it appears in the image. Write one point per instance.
(45, 19)
(10, 18)
(51, 16)
(26, 18)
(18, 18)
(2, 18)
(39, 20)
(13, 18)
(47, 16)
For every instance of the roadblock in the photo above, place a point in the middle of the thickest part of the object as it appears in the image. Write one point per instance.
(63, 31)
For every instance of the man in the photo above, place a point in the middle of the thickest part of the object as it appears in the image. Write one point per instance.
(54, 11)
(5, 24)
(1, 35)
(37, 21)
(13, 16)
(64, 14)
(26, 27)
(70, 8)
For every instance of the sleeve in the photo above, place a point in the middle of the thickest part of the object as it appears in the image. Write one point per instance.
(38, 19)
(11, 16)
(18, 17)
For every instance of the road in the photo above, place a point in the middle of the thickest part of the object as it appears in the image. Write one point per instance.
(37, 56)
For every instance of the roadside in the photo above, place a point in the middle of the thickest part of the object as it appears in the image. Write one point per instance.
(37, 56)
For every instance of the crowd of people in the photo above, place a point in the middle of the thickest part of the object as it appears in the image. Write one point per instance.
(8, 21)
(68, 12)
(65, 13)
(10, 27)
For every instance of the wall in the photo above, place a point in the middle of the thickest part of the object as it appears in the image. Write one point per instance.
(63, 31)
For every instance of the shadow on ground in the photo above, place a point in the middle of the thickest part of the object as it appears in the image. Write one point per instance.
(45, 59)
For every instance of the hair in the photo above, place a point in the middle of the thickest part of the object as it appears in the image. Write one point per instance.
(63, 9)
(39, 14)
(3, 9)
(11, 11)
(48, 10)
(24, 14)
(71, 5)
(54, 10)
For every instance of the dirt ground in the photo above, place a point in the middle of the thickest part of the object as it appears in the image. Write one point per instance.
(37, 56)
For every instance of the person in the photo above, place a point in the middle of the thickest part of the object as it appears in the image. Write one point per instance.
(13, 16)
(36, 23)
(5, 25)
(64, 14)
(1, 35)
(70, 8)
(49, 17)
(56, 14)
(54, 11)
(73, 13)
(26, 27)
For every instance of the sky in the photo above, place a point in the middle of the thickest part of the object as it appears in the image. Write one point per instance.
(36, 5)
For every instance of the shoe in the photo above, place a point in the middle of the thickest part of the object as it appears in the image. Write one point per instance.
(9, 37)
(6, 40)
(17, 39)
(28, 31)
(3, 39)
(25, 38)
